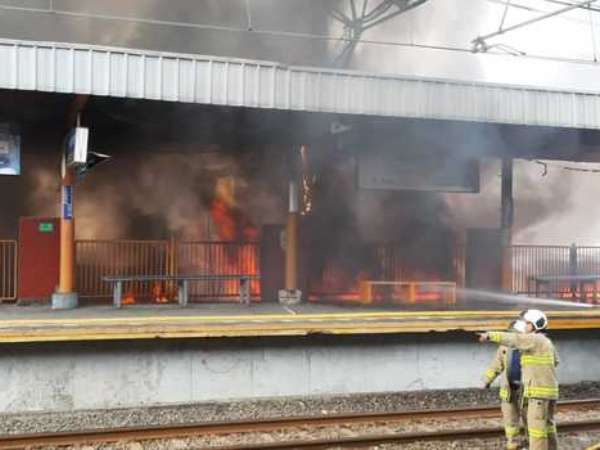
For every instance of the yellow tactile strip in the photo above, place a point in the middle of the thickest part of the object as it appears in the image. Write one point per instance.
(190, 326)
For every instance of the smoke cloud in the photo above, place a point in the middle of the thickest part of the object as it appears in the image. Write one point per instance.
(157, 196)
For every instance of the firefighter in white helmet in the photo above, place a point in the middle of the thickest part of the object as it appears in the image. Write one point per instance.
(539, 384)
(506, 366)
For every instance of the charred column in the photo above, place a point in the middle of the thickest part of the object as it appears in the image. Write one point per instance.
(506, 206)
(506, 220)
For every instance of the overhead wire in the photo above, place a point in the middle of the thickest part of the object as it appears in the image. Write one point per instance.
(546, 164)
(311, 36)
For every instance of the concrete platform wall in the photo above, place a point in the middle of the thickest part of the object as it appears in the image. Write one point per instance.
(56, 376)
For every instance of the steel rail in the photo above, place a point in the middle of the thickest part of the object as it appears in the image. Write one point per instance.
(404, 438)
(20, 441)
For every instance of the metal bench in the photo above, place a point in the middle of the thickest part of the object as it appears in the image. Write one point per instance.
(412, 291)
(182, 284)
(577, 283)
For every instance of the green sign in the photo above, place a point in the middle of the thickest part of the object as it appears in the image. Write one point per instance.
(45, 227)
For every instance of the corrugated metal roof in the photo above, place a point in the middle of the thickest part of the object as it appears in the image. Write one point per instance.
(117, 72)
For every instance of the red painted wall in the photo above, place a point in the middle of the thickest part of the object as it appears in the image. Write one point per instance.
(39, 257)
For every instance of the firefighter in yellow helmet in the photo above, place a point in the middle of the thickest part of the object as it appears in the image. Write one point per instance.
(538, 364)
(506, 366)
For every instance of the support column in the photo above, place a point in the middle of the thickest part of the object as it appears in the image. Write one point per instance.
(573, 270)
(507, 194)
(65, 297)
(291, 295)
(506, 221)
(291, 239)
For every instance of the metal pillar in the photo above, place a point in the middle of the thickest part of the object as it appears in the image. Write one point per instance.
(506, 221)
(507, 206)
(361, 16)
(573, 271)
(291, 295)
(65, 297)
(291, 239)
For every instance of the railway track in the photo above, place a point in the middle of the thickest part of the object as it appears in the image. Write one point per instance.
(404, 438)
(22, 441)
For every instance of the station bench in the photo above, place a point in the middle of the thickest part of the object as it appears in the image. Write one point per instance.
(410, 291)
(578, 282)
(182, 284)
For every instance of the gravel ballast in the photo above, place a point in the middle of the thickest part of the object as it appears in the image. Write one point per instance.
(280, 407)
(567, 441)
(264, 408)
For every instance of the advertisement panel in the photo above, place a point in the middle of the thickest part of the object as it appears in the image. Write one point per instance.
(10, 149)
(389, 170)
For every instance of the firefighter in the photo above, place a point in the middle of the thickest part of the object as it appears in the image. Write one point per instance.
(506, 366)
(539, 384)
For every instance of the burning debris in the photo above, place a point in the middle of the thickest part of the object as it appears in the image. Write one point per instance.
(308, 183)
(159, 294)
(128, 299)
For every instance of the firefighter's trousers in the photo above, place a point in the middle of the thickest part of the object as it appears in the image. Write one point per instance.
(511, 416)
(540, 424)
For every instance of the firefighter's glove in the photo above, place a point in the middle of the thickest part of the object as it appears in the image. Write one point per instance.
(487, 385)
(483, 337)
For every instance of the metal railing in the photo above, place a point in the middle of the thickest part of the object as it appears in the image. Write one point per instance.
(530, 261)
(387, 263)
(96, 259)
(8, 270)
(219, 258)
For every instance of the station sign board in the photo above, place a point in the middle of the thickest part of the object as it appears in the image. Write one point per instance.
(76, 146)
(389, 170)
(10, 149)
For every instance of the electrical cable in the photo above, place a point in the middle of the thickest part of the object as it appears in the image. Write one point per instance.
(310, 36)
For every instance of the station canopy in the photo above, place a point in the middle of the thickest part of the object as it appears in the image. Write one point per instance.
(208, 80)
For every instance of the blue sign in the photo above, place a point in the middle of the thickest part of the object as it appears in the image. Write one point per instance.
(10, 149)
(67, 211)
(67, 202)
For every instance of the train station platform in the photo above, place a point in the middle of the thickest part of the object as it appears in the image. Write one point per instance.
(216, 320)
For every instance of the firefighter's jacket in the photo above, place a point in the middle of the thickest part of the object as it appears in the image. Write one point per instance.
(498, 368)
(538, 362)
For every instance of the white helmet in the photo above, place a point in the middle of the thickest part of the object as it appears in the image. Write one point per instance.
(536, 317)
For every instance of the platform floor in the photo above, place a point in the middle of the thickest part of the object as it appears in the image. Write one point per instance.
(41, 323)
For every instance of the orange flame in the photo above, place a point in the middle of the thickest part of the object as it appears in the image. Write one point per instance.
(589, 295)
(158, 293)
(234, 226)
(128, 299)
(344, 287)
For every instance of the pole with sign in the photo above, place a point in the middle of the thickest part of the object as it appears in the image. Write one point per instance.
(77, 160)
(74, 155)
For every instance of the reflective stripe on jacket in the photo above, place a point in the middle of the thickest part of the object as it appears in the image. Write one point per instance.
(498, 369)
(538, 362)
